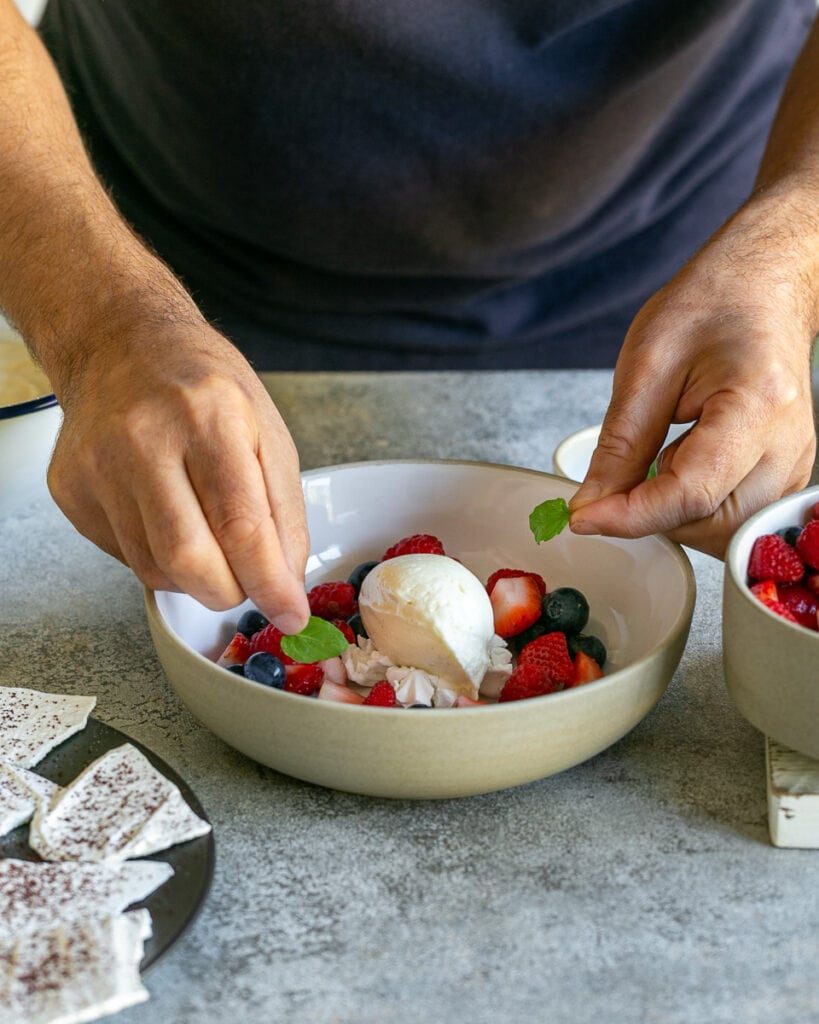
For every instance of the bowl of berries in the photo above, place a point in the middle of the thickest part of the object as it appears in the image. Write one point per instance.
(460, 641)
(771, 620)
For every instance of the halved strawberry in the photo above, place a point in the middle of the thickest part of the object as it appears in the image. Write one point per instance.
(516, 604)
(237, 651)
(510, 574)
(586, 670)
(339, 694)
(303, 679)
(381, 695)
(765, 591)
(803, 603)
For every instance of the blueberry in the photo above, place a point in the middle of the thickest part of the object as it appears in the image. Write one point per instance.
(237, 670)
(358, 575)
(565, 610)
(357, 626)
(251, 622)
(412, 707)
(266, 669)
(790, 534)
(591, 645)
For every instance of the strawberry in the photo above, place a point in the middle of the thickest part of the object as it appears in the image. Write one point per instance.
(765, 591)
(526, 681)
(269, 639)
(418, 544)
(516, 604)
(550, 655)
(345, 628)
(586, 670)
(304, 679)
(237, 651)
(339, 694)
(381, 695)
(812, 582)
(774, 559)
(803, 603)
(509, 574)
(333, 601)
(808, 544)
(463, 701)
(781, 609)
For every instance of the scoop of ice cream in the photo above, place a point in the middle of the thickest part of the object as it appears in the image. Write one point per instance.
(430, 612)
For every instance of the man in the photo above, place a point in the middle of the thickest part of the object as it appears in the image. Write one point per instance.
(397, 184)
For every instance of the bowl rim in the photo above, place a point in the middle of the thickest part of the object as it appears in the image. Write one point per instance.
(8, 412)
(739, 576)
(679, 625)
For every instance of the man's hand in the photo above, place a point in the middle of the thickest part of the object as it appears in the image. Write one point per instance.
(726, 343)
(173, 459)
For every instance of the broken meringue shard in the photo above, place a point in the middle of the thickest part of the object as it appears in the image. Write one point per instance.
(33, 723)
(120, 807)
(21, 792)
(431, 613)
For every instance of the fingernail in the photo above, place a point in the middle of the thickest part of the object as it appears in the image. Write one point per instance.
(588, 492)
(584, 528)
(288, 623)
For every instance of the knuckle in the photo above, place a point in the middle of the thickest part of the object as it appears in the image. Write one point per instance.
(616, 442)
(181, 559)
(776, 386)
(238, 527)
(699, 501)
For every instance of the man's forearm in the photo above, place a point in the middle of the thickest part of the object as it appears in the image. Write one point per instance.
(73, 277)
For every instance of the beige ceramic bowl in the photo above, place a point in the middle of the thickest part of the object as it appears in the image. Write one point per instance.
(641, 595)
(771, 666)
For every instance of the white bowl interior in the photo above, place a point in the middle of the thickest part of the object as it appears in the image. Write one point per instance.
(638, 590)
(573, 455)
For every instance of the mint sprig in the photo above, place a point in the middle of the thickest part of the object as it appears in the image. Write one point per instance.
(318, 641)
(549, 519)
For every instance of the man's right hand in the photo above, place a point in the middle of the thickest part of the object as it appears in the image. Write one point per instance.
(173, 458)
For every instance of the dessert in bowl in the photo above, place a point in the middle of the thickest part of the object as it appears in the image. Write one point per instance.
(641, 595)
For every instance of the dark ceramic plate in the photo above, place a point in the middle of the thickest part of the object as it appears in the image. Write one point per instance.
(174, 905)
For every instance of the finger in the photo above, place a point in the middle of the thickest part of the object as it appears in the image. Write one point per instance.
(230, 486)
(280, 467)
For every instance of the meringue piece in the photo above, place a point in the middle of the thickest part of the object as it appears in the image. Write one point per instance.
(334, 670)
(119, 807)
(364, 664)
(68, 975)
(412, 685)
(431, 612)
(37, 897)
(21, 793)
(447, 698)
(500, 668)
(32, 723)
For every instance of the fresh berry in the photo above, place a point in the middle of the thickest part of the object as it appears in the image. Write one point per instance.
(424, 707)
(516, 604)
(418, 544)
(591, 645)
(250, 622)
(345, 628)
(467, 702)
(333, 601)
(357, 626)
(237, 651)
(808, 544)
(237, 670)
(803, 603)
(550, 655)
(773, 559)
(339, 694)
(510, 574)
(781, 609)
(517, 643)
(814, 512)
(303, 679)
(269, 639)
(566, 610)
(812, 582)
(790, 534)
(381, 695)
(766, 591)
(526, 681)
(266, 669)
(586, 670)
(359, 574)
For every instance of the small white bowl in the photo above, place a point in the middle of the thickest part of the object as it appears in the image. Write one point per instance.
(573, 455)
(771, 665)
(641, 595)
(28, 432)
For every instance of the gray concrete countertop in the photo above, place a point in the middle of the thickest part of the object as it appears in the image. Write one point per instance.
(639, 887)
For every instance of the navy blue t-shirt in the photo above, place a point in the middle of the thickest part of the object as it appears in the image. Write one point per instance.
(395, 183)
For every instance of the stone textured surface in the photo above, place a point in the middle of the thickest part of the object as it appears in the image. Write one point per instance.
(638, 887)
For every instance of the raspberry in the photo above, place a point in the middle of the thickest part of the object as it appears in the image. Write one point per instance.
(345, 628)
(333, 601)
(418, 544)
(773, 559)
(802, 603)
(509, 574)
(269, 639)
(526, 681)
(808, 544)
(550, 655)
(381, 695)
(812, 583)
(304, 679)
(781, 609)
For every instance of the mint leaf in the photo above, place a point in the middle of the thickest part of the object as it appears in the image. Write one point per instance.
(652, 470)
(549, 519)
(318, 640)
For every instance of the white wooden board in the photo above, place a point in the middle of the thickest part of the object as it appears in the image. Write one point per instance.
(793, 797)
